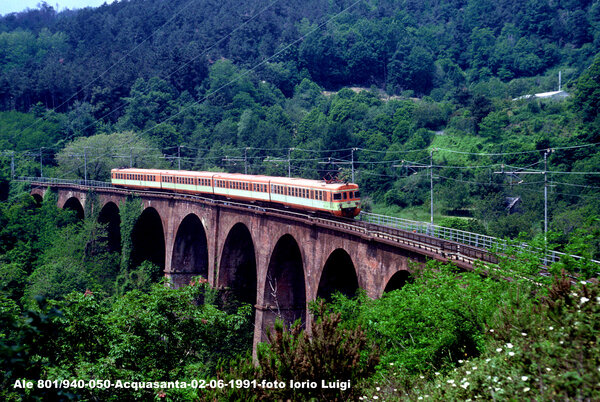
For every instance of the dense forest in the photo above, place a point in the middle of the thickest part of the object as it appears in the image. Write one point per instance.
(400, 95)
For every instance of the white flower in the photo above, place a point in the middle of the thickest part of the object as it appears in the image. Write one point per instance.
(524, 378)
(524, 333)
(465, 385)
(561, 342)
(375, 397)
(421, 377)
(464, 379)
(391, 364)
(509, 345)
(491, 330)
(420, 398)
(487, 360)
(460, 361)
(583, 282)
(474, 367)
(526, 389)
(550, 328)
(378, 389)
(549, 369)
(583, 300)
(498, 350)
(468, 372)
(450, 381)
(511, 353)
(437, 373)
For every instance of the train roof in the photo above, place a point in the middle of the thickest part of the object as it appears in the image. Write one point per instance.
(286, 181)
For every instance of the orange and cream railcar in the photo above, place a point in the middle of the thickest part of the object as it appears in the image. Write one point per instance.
(339, 199)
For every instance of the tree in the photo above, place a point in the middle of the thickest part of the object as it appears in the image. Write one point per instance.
(100, 153)
(587, 92)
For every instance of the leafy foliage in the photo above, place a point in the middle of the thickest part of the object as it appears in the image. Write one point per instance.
(331, 352)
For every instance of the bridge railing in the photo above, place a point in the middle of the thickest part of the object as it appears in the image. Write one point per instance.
(50, 180)
(460, 236)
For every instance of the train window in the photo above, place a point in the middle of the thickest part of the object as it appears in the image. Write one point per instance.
(337, 196)
(345, 195)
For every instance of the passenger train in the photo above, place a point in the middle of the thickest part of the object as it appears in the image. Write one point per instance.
(339, 199)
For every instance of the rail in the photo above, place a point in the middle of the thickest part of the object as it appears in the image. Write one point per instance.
(451, 243)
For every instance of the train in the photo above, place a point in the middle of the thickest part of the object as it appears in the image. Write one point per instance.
(319, 196)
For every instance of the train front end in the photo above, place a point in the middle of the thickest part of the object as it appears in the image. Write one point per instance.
(346, 201)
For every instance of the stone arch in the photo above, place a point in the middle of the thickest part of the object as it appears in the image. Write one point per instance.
(338, 275)
(190, 251)
(237, 268)
(37, 197)
(109, 215)
(74, 204)
(397, 281)
(148, 239)
(285, 289)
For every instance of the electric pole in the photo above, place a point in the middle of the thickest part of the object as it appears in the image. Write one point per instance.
(85, 166)
(430, 167)
(545, 173)
(353, 149)
(431, 185)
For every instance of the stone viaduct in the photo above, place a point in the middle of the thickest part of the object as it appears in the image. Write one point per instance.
(276, 260)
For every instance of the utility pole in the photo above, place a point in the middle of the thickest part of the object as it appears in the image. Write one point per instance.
(246, 160)
(430, 167)
(545, 173)
(41, 163)
(431, 185)
(353, 149)
(179, 157)
(546, 197)
(290, 162)
(85, 166)
(280, 160)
